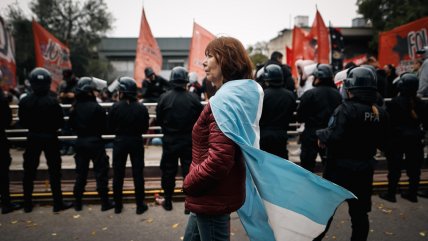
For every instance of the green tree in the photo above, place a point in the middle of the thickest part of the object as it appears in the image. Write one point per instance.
(79, 25)
(385, 15)
(258, 53)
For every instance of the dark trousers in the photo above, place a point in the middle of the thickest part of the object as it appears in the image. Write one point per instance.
(122, 147)
(274, 142)
(48, 143)
(407, 154)
(360, 184)
(87, 149)
(174, 148)
(5, 161)
(310, 150)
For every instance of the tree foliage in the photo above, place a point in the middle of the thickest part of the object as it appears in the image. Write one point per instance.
(385, 15)
(258, 53)
(80, 25)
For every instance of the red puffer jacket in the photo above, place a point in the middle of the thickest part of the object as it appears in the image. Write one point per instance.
(216, 181)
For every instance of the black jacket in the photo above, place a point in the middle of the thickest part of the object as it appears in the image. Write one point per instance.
(128, 118)
(317, 105)
(5, 112)
(41, 114)
(88, 118)
(152, 89)
(177, 111)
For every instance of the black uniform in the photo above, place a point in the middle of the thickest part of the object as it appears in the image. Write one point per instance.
(43, 116)
(176, 112)
(352, 136)
(5, 158)
(278, 106)
(88, 119)
(128, 120)
(405, 139)
(152, 89)
(66, 87)
(315, 108)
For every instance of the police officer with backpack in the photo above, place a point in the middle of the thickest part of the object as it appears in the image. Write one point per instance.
(89, 120)
(279, 104)
(43, 116)
(176, 112)
(357, 128)
(128, 120)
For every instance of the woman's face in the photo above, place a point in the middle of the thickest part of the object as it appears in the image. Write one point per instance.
(213, 70)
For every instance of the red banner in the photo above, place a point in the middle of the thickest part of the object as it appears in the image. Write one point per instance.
(51, 54)
(7, 57)
(301, 47)
(399, 45)
(289, 56)
(319, 34)
(358, 60)
(200, 39)
(148, 53)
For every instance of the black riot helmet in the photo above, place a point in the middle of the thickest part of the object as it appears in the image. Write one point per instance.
(360, 78)
(408, 84)
(323, 71)
(40, 80)
(148, 72)
(85, 85)
(128, 86)
(179, 76)
(273, 75)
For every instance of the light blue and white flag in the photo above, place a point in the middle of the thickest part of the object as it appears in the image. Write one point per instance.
(283, 200)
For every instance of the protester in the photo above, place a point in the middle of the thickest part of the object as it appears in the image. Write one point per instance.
(215, 185)
(66, 95)
(176, 112)
(357, 128)
(153, 86)
(128, 120)
(279, 105)
(276, 58)
(43, 116)
(423, 73)
(391, 90)
(195, 87)
(89, 120)
(315, 108)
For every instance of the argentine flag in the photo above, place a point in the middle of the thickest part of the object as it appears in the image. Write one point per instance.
(283, 201)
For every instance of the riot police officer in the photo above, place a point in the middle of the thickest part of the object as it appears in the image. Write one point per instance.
(357, 128)
(43, 116)
(128, 120)
(315, 108)
(89, 120)
(407, 113)
(279, 104)
(176, 112)
(5, 158)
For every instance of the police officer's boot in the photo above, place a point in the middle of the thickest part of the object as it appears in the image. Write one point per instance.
(28, 205)
(106, 204)
(78, 204)
(167, 204)
(141, 208)
(388, 196)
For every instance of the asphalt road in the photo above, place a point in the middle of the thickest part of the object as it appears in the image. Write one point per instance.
(401, 221)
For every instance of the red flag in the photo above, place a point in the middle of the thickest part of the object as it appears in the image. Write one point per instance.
(320, 35)
(399, 45)
(358, 60)
(200, 39)
(301, 47)
(148, 53)
(7, 57)
(51, 54)
(289, 55)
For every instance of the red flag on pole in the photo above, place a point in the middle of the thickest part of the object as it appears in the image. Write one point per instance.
(200, 39)
(320, 35)
(148, 53)
(399, 45)
(301, 47)
(7, 57)
(51, 54)
(289, 55)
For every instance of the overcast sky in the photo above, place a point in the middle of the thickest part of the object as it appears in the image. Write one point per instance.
(248, 20)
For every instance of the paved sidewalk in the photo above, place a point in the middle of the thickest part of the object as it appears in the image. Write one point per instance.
(402, 221)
